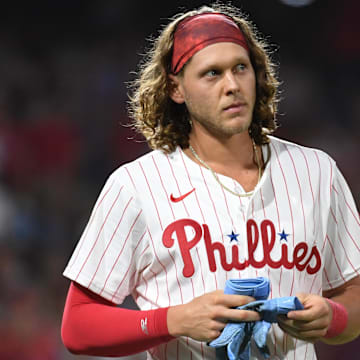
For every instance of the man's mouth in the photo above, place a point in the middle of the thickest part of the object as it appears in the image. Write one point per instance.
(235, 107)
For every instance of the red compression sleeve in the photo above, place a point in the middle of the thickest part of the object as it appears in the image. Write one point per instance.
(92, 325)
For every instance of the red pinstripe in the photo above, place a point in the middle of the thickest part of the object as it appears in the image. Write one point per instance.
(356, 216)
(97, 238)
(162, 184)
(285, 342)
(130, 177)
(278, 216)
(293, 233)
(227, 208)
(310, 183)
(301, 200)
(188, 175)
(271, 294)
(202, 350)
(161, 264)
(327, 278)
(133, 253)
(291, 213)
(152, 196)
(320, 291)
(202, 215)
(276, 204)
(306, 350)
(347, 230)
(212, 201)
(241, 204)
(177, 278)
(117, 259)
(313, 282)
(346, 255)
(296, 340)
(172, 258)
(141, 254)
(232, 221)
(90, 222)
(342, 244)
(333, 252)
(202, 276)
(157, 286)
(177, 184)
(110, 241)
(319, 189)
(331, 177)
(161, 226)
(301, 196)
(322, 251)
(146, 288)
(262, 202)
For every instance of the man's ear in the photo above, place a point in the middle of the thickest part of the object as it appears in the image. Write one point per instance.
(175, 89)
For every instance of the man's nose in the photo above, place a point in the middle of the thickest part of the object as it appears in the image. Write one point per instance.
(231, 83)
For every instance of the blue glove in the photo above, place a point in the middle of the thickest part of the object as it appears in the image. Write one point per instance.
(235, 337)
(258, 288)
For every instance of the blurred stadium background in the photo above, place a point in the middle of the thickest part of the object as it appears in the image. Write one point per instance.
(63, 69)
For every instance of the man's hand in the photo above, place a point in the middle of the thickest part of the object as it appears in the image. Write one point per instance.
(309, 324)
(205, 317)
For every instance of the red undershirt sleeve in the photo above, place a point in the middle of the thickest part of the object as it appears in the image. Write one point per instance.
(91, 325)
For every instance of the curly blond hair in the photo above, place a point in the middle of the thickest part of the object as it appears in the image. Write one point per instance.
(164, 123)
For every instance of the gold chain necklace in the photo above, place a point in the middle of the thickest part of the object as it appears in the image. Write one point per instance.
(217, 178)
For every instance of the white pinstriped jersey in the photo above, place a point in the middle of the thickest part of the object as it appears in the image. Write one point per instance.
(165, 231)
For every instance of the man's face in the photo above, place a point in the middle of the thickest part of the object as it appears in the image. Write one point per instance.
(218, 86)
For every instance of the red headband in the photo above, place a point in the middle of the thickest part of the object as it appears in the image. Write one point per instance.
(198, 31)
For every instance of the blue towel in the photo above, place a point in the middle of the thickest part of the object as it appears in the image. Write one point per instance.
(234, 341)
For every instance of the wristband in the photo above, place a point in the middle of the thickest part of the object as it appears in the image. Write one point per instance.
(339, 319)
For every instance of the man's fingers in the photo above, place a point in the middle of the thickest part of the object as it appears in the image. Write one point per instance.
(235, 315)
(316, 324)
(309, 314)
(302, 315)
(297, 335)
(233, 300)
(307, 335)
(227, 303)
(302, 297)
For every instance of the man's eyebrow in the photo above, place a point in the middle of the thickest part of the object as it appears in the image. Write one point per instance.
(219, 64)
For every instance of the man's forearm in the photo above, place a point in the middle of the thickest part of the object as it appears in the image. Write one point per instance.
(93, 326)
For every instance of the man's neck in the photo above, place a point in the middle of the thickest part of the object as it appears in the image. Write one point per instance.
(233, 156)
(223, 152)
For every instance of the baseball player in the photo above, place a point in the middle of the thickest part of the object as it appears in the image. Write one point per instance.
(218, 198)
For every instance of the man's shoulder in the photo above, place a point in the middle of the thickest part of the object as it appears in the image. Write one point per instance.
(295, 149)
(152, 159)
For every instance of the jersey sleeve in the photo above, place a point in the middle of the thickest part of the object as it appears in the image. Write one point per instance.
(103, 260)
(342, 242)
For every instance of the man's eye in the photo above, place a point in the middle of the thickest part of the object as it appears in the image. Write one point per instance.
(240, 67)
(211, 73)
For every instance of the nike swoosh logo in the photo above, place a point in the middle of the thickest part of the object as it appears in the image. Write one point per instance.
(182, 197)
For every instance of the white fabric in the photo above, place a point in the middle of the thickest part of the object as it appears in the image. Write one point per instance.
(132, 246)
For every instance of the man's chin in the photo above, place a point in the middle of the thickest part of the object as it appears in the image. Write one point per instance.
(236, 126)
